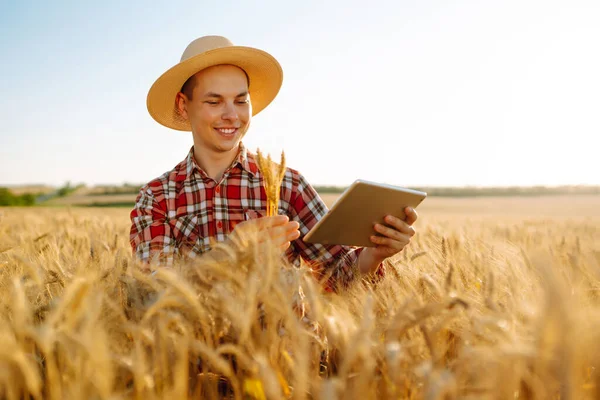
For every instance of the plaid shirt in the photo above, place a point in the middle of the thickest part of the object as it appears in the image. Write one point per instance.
(180, 212)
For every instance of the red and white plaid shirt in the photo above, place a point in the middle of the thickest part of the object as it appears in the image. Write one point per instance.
(178, 213)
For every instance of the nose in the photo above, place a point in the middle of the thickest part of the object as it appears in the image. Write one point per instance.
(229, 112)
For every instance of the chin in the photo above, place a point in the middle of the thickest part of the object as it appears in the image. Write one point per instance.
(227, 147)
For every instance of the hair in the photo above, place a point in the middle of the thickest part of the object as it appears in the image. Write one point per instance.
(190, 84)
(188, 87)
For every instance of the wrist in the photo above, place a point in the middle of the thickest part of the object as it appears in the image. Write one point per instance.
(368, 262)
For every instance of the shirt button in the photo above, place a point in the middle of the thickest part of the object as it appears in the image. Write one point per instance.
(219, 224)
(218, 189)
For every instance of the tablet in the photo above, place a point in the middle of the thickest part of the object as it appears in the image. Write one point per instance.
(352, 217)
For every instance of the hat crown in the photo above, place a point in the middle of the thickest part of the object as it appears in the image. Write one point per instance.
(204, 44)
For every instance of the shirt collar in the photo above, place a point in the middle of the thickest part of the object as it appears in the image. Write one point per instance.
(245, 159)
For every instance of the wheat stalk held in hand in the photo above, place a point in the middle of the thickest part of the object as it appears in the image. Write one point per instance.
(273, 176)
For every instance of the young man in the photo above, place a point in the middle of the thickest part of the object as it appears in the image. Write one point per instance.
(217, 189)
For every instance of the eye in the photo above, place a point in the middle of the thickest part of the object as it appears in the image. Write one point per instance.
(242, 101)
(212, 102)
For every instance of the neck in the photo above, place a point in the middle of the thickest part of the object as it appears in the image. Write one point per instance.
(215, 164)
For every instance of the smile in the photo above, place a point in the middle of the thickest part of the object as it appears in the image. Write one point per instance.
(226, 131)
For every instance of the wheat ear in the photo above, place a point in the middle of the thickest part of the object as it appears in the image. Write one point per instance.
(272, 178)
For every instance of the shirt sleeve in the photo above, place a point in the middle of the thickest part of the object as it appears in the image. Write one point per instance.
(151, 236)
(335, 265)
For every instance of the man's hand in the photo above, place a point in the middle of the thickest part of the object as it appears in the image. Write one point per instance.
(279, 229)
(395, 238)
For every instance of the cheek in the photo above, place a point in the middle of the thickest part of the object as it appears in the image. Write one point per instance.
(204, 116)
(245, 116)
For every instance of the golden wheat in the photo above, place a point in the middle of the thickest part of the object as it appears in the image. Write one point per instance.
(479, 306)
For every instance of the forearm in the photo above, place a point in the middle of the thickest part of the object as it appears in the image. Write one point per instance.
(367, 262)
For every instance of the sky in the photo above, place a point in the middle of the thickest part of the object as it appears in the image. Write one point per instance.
(412, 93)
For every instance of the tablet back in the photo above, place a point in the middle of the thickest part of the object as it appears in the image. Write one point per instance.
(351, 219)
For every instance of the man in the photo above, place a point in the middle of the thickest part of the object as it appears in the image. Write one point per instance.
(217, 191)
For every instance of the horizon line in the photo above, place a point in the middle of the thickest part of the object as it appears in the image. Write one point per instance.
(122, 184)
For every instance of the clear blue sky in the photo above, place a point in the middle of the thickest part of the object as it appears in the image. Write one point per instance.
(404, 92)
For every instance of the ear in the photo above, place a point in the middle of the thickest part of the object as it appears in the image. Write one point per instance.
(181, 102)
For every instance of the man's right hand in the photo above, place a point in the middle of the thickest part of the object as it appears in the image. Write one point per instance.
(279, 229)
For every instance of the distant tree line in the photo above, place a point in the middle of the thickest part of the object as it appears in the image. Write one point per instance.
(8, 198)
(330, 189)
(487, 191)
(508, 191)
(465, 191)
(67, 189)
(126, 188)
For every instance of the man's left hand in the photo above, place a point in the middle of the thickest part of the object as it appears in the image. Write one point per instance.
(395, 237)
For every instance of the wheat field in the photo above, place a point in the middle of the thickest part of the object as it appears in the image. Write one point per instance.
(495, 298)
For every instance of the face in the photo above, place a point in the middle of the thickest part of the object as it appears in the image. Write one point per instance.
(219, 110)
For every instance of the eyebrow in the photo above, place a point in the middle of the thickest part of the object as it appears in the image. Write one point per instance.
(212, 94)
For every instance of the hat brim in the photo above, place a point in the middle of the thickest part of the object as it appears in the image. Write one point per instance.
(264, 72)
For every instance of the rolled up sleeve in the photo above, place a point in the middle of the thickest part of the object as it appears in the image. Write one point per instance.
(335, 265)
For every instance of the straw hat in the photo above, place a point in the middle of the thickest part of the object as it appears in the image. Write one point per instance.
(264, 72)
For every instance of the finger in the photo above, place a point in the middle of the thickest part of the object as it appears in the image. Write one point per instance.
(268, 222)
(292, 226)
(278, 236)
(262, 223)
(293, 235)
(286, 237)
(400, 225)
(385, 241)
(411, 215)
(275, 220)
(283, 230)
(390, 232)
(381, 242)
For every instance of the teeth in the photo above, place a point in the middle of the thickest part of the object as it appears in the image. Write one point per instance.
(226, 130)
